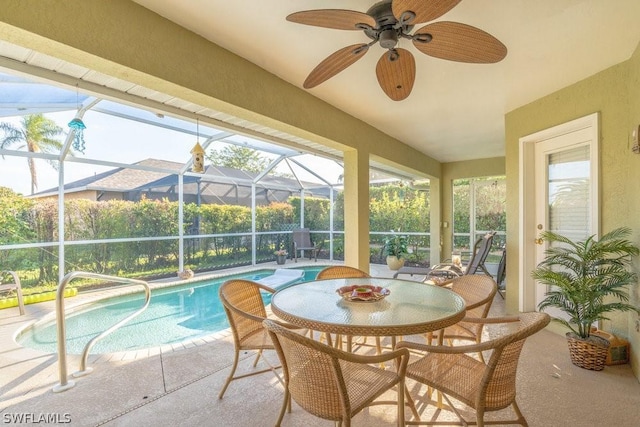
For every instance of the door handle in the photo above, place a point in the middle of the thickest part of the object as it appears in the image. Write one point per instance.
(538, 241)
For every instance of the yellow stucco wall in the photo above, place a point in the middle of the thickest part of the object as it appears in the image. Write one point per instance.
(614, 94)
(632, 198)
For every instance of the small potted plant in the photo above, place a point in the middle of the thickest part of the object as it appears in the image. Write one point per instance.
(185, 274)
(587, 280)
(395, 248)
(281, 255)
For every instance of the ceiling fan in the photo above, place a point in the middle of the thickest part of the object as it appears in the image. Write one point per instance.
(388, 21)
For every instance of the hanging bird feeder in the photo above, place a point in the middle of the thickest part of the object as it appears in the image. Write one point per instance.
(197, 153)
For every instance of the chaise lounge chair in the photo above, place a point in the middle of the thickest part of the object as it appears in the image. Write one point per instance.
(281, 277)
(481, 249)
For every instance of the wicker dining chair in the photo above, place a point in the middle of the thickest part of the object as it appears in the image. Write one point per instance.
(484, 387)
(478, 292)
(333, 384)
(243, 304)
(345, 272)
(340, 272)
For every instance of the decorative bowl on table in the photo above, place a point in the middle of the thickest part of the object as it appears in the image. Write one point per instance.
(363, 293)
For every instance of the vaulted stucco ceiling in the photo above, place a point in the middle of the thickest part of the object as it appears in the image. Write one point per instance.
(456, 110)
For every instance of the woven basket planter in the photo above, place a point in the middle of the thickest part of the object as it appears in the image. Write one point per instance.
(588, 354)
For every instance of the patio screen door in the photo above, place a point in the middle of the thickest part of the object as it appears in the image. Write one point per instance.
(566, 197)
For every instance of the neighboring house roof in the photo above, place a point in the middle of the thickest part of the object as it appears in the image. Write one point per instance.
(118, 180)
(123, 180)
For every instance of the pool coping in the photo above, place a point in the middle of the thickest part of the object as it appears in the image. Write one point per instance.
(44, 311)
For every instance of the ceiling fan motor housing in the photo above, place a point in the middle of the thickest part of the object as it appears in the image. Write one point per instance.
(382, 13)
(387, 30)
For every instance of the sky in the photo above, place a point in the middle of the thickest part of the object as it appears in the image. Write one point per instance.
(107, 138)
(110, 138)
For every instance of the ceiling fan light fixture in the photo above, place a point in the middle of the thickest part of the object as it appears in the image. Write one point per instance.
(388, 38)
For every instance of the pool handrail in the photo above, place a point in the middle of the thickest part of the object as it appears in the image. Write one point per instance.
(65, 384)
(14, 286)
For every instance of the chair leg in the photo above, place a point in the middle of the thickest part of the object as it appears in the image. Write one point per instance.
(286, 402)
(411, 403)
(230, 377)
(234, 366)
(479, 414)
(255, 362)
(521, 420)
(401, 388)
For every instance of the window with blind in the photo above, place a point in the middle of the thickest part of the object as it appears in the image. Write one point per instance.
(569, 192)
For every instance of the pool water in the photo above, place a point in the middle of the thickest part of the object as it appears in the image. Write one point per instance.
(175, 314)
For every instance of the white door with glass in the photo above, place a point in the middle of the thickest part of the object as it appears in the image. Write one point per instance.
(565, 187)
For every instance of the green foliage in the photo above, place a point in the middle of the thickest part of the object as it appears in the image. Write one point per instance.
(316, 212)
(400, 207)
(491, 206)
(237, 157)
(36, 220)
(587, 279)
(395, 245)
(15, 215)
(461, 207)
(489, 200)
(397, 207)
(273, 216)
(37, 134)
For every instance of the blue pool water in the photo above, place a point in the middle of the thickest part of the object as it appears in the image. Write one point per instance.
(175, 314)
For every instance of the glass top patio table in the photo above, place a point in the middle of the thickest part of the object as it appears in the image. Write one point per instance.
(410, 308)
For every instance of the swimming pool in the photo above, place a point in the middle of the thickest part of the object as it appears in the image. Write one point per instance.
(175, 314)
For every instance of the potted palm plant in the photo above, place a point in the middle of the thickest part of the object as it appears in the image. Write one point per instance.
(395, 247)
(587, 279)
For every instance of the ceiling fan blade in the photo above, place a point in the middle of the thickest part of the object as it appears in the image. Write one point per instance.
(335, 63)
(425, 11)
(396, 72)
(339, 19)
(459, 42)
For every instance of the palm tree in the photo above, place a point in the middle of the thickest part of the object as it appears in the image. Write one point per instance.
(36, 135)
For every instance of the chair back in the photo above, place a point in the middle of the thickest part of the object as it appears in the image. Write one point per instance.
(302, 238)
(244, 307)
(330, 383)
(478, 292)
(498, 388)
(309, 369)
(340, 272)
(480, 254)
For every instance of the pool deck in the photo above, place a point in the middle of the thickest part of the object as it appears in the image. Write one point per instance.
(178, 385)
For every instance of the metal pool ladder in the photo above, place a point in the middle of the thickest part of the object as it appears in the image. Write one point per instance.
(66, 384)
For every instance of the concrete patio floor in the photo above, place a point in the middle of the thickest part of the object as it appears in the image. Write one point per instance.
(179, 385)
